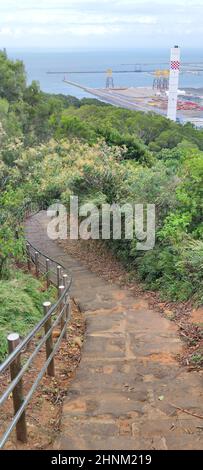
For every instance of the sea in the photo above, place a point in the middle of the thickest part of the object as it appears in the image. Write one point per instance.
(39, 62)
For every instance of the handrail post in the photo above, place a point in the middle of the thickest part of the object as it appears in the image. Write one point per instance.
(65, 280)
(49, 341)
(48, 273)
(62, 303)
(68, 307)
(37, 263)
(28, 256)
(21, 429)
(58, 276)
(67, 302)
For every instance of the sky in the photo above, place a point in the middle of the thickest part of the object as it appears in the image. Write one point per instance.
(106, 24)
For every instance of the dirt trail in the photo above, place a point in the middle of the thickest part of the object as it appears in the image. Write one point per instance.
(128, 381)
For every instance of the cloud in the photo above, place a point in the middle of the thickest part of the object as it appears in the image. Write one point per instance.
(72, 17)
(135, 20)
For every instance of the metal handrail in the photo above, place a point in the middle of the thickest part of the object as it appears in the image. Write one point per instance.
(61, 310)
(41, 323)
(31, 392)
(26, 366)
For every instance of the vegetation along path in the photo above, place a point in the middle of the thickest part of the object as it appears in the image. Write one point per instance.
(129, 391)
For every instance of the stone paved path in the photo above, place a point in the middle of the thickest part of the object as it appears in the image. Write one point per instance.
(128, 378)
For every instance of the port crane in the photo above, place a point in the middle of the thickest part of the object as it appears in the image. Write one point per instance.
(161, 75)
(186, 67)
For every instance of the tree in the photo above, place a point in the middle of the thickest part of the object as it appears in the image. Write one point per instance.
(12, 78)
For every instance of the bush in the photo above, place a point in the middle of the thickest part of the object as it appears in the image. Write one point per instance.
(100, 174)
(21, 300)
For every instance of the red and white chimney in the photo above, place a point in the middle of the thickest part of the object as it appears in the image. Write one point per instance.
(173, 83)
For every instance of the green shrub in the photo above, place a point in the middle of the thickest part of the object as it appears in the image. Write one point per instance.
(21, 300)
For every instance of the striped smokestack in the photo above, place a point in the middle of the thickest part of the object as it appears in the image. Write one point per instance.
(173, 83)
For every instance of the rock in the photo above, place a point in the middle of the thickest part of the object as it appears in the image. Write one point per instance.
(77, 340)
(169, 314)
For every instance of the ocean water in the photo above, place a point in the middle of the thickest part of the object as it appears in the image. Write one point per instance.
(38, 63)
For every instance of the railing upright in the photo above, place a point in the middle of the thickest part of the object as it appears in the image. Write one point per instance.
(28, 257)
(37, 263)
(49, 341)
(15, 368)
(48, 273)
(58, 276)
(62, 307)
